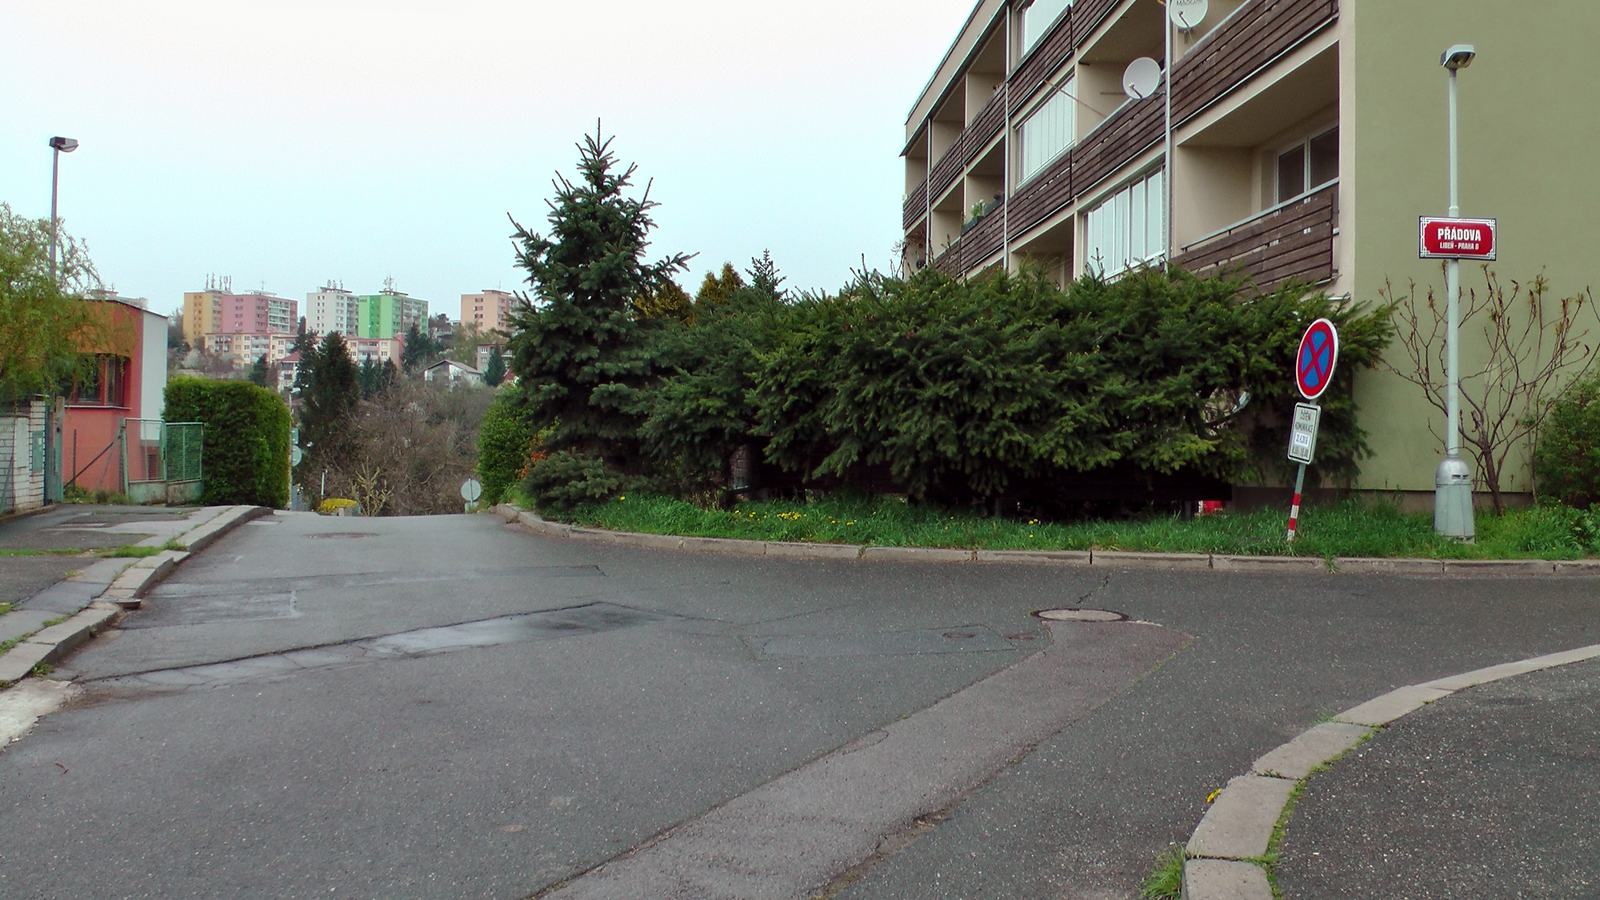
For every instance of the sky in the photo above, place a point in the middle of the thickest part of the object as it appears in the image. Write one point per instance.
(287, 144)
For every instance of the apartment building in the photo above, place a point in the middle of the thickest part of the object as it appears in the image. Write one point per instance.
(378, 350)
(202, 315)
(242, 349)
(333, 309)
(258, 312)
(388, 313)
(487, 310)
(1308, 136)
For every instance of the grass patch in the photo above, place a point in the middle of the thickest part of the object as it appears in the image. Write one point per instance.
(5, 646)
(131, 551)
(23, 551)
(1166, 882)
(5, 608)
(1350, 528)
(56, 621)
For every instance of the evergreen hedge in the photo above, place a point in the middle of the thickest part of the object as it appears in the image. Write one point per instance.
(1567, 459)
(246, 448)
(503, 446)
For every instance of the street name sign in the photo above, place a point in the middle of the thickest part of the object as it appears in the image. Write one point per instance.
(1457, 238)
(1314, 361)
(1303, 432)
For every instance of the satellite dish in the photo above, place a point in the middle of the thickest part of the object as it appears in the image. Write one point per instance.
(1187, 14)
(1141, 77)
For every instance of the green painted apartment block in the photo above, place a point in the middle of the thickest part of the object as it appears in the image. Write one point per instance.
(389, 313)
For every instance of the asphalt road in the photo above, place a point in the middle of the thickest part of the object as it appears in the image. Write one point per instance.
(446, 707)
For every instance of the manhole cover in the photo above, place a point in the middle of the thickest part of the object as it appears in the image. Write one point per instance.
(1081, 615)
(345, 534)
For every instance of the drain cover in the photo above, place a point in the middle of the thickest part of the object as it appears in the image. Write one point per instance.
(1081, 615)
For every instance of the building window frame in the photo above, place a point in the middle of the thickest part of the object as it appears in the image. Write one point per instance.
(1061, 105)
(1310, 178)
(1125, 228)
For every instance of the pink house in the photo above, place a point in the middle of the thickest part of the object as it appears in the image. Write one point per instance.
(127, 381)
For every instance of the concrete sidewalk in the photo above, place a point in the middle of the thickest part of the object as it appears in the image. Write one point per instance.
(1478, 785)
(59, 616)
(1487, 793)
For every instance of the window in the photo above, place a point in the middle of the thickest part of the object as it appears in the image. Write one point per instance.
(1047, 132)
(102, 383)
(1038, 18)
(1128, 228)
(1308, 165)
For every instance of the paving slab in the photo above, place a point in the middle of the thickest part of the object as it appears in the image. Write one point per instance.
(1312, 748)
(1385, 709)
(16, 664)
(1217, 879)
(102, 571)
(1122, 559)
(64, 597)
(1240, 821)
(22, 622)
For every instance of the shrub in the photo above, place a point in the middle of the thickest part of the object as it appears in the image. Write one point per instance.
(503, 443)
(246, 449)
(1567, 459)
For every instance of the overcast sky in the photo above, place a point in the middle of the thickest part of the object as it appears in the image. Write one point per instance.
(288, 143)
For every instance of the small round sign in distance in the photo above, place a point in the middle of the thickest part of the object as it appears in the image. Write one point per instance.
(1315, 359)
(295, 455)
(471, 490)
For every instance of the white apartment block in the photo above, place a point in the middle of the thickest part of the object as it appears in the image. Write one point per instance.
(333, 309)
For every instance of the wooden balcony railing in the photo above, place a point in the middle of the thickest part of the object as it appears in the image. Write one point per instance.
(1053, 50)
(1291, 240)
(1127, 133)
(915, 207)
(980, 242)
(1043, 195)
(969, 143)
(1255, 35)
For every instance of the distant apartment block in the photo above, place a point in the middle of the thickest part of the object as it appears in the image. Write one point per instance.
(379, 350)
(484, 351)
(388, 313)
(243, 349)
(202, 315)
(487, 310)
(258, 313)
(333, 309)
(1308, 137)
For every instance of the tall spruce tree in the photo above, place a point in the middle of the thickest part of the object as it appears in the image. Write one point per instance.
(579, 351)
(494, 371)
(328, 384)
(258, 372)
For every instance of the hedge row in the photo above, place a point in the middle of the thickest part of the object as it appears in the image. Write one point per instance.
(246, 449)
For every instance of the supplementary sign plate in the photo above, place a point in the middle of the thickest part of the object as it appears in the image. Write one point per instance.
(1303, 432)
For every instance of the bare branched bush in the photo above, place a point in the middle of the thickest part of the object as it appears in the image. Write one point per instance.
(411, 447)
(1535, 347)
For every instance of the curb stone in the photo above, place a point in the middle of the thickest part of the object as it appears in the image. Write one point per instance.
(1239, 824)
(1288, 565)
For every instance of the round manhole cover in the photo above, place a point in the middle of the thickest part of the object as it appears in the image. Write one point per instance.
(1081, 615)
(344, 534)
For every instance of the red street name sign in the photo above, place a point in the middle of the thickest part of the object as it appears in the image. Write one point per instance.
(1445, 238)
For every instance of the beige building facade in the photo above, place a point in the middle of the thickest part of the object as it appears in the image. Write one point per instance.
(1308, 136)
(487, 311)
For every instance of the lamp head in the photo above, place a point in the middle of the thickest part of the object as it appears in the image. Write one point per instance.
(1458, 57)
(64, 144)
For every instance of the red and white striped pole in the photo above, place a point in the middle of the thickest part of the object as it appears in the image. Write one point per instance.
(1294, 509)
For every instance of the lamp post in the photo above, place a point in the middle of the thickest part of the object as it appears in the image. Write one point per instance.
(1452, 498)
(58, 146)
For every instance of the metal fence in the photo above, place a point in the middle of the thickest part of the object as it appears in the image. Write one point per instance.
(157, 455)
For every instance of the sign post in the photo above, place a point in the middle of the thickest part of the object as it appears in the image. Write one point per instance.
(1313, 373)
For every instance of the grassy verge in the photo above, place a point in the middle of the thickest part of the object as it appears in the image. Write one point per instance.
(1352, 528)
(60, 551)
(133, 551)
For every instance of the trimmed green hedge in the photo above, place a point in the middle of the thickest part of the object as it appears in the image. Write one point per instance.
(246, 457)
(503, 440)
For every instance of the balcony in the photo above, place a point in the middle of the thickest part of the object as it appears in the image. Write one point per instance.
(1249, 40)
(1293, 240)
(915, 207)
(979, 242)
(967, 146)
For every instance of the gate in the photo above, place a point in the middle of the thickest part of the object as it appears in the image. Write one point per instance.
(161, 461)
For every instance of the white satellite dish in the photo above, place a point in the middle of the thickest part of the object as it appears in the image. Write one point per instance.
(1187, 14)
(1141, 78)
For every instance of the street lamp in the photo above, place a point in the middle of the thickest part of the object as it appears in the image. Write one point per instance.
(58, 146)
(1452, 498)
